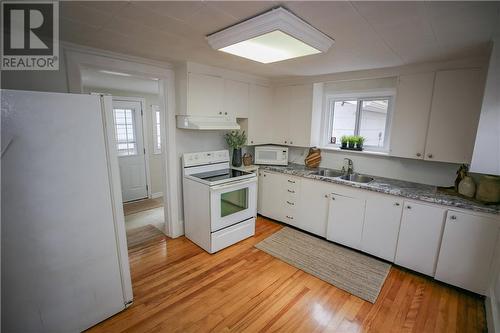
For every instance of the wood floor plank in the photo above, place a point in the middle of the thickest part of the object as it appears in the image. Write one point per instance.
(180, 288)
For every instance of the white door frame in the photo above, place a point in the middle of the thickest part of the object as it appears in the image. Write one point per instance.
(145, 141)
(78, 57)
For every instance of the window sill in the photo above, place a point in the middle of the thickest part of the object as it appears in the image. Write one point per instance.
(362, 152)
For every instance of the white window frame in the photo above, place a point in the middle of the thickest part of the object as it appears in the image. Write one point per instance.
(327, 122)
(157, 144)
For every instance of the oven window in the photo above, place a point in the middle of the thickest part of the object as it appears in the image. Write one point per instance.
(233, 202)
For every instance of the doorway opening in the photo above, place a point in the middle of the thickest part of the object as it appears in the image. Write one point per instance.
(138, 129)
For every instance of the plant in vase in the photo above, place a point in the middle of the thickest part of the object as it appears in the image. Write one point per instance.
(351, 141)
(359, 142)
(343, 141)
(236, 140)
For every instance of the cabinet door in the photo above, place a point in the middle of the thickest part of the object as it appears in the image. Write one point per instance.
(281, 113)
(271, 195)
(419, 237)
(466, 251)
(236, 98)
(381, 227)
(456, 105)
(259, 126)
(411, 115)
(345, 220)
(299, 125)
(205, 95)
(314, 202)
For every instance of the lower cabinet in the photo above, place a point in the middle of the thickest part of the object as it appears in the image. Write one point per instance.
(381, 227)
(270, 195)
(420, 237)
(314, 201)
(467, 250)
(345, 220)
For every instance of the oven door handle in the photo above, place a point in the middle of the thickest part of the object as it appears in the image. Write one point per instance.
(233, 184)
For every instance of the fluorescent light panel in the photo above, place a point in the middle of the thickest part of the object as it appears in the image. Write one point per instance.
(271, 47)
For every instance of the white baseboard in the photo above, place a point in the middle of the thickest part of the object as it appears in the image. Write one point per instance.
(492, 315)
(156, 195)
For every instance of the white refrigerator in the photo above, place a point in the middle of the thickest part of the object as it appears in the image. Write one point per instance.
(64, 254)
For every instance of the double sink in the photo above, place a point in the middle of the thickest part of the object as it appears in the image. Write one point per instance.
(354, 177)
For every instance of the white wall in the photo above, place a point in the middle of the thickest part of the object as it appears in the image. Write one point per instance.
(486, 157)
(155, 166)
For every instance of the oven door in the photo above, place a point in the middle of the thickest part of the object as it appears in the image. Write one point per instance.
(232, 203)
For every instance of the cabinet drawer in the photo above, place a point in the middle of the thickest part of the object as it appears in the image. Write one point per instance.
(231, 235)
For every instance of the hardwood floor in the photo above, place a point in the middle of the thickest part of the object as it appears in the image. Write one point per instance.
(141, 205)
(180, 288)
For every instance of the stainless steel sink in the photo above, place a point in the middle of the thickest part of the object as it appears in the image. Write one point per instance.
(328, 173)
(357, 178)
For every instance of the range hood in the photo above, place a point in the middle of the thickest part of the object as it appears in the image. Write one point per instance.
(207, 123)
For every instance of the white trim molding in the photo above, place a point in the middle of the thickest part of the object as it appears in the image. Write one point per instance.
(156, 195)
(276, 19)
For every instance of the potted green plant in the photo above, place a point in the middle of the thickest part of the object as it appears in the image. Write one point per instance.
(236, 140)
(343, 141)
(359, 143)
(352, 141)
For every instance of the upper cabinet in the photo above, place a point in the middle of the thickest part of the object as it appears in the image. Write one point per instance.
(205, 95)
(292, 112)
(436, 115)
(258, 125)
(455, 110)
(236, 98)
(411, 116)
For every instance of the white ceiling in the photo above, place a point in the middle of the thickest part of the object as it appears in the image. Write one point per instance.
(367, 34)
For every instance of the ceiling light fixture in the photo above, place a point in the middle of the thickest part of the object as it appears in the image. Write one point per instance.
(270, 37)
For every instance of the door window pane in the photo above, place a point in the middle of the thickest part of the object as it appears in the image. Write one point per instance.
(125, 131)
(373, 121)
(233, 202)
(344, 119)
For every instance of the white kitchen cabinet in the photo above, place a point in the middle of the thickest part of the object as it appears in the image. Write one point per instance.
(259, 126)
(420, 237)
(205, 95)
(271, 195)
(466, 251)
(454, 117)
(314, 203)
(236, 98)
(292, 114)
(381, 226)
(411, 115)
(345, 220)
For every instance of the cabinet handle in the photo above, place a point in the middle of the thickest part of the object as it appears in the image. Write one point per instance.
(291, 181)
(225, 113)
(251, 141)
(333, 198)
(396, 204)
(291, 142)
(265, 175)
(326, 195)
(429, 155)
(453, 217)
(408, 207)
(290, 203)
(285, 141)
(220, 112)
(290, 191)
(289, 217)
(419, 154)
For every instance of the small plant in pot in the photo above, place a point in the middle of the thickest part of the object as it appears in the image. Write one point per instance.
(343, 141)
(359, 142)
(352, 141)
(236, 140)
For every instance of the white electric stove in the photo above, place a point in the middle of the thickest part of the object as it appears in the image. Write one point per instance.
(220, 203)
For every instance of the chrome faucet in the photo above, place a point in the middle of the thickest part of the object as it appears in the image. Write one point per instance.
(348, 167)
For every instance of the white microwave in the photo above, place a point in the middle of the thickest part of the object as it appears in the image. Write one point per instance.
(271, 155)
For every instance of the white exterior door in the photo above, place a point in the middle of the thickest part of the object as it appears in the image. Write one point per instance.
(127, 116)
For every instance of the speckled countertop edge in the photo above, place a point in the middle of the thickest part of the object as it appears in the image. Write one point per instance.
(416, 191)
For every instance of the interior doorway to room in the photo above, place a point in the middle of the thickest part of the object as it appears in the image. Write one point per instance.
(128, 122)
(137, 124)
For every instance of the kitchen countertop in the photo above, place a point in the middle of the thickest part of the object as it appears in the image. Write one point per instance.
(422, 192)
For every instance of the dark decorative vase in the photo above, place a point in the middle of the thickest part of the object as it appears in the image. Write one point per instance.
(237, 157)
